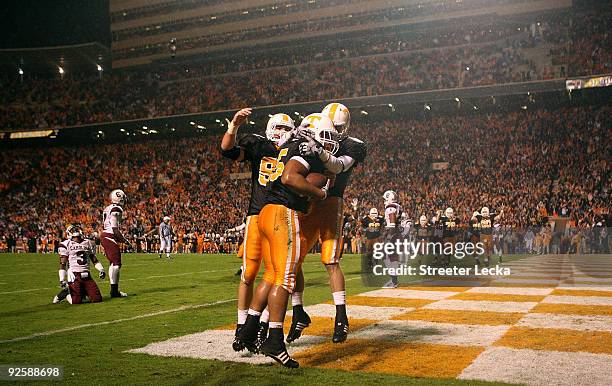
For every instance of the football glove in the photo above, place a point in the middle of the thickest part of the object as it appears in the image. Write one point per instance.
(102, 274)
(310, 147)
(63, 284)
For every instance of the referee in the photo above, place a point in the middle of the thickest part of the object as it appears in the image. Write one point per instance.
(165, 237)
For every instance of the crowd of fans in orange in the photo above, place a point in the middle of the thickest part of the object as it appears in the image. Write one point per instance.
(531, 164)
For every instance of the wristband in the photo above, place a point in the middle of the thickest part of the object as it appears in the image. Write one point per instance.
(62, 274)
(99, 267)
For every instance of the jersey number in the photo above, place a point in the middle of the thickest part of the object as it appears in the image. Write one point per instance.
(279, 167)
(82, 258)
(267, 166)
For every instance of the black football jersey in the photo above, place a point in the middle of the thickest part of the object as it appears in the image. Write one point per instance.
(485, 225)
(422, 232)
(354, 148)
(451, 227)
(261, 153)
(373, 226)
(276, 191)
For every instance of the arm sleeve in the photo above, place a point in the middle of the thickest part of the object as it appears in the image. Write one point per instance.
(336, 164)
(233, 153)
(62, 251)
(115, 218)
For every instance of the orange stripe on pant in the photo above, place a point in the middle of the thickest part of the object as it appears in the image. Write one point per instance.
(324, 221)
(280, 232)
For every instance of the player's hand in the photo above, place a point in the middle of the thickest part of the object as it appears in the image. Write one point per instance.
(102, 275)
(310, 147)
(241, 116)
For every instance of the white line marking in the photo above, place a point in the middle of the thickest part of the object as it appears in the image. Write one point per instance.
(81, 326)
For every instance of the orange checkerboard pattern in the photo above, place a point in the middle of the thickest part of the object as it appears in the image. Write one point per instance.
(549, 323)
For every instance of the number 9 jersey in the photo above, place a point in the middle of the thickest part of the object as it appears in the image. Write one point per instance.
(262, 153)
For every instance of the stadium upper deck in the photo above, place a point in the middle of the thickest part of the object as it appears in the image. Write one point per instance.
(142, 29)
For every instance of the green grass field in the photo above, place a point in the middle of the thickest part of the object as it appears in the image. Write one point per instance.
(187, 294)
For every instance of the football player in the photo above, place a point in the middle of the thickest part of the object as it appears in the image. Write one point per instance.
(165, 237)
(111, 237)
(288, 196)
(485, 225)
(325, 221)
(450, 226)
(475, 233)
(393, 213)
(261, 152)
(422, 234)
(75, 254)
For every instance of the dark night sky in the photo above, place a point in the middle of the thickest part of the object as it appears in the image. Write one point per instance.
(29, 23)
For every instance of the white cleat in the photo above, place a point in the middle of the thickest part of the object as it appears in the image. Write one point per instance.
(56, 299)
(389, 284)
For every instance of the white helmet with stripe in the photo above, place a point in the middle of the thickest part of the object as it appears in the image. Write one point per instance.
(324, 131)
(279, 125)
(118, 197)
(449, 213)
(340, 116)
(390, 197)
(74, 231)
(373, 212)
(423, 220)
(484, 211)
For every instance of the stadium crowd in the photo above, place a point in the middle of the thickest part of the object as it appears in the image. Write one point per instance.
(531, 164)
(470, 54)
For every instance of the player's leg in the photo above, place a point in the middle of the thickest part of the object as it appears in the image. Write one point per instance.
(168, 242)
(76, 292)
(309, 233)
(251, 261)
(92, 290)
(162, 246)
(285, 253)
(113, 254)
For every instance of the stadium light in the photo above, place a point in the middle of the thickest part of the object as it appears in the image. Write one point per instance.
(363, 112)
(122, 130)
(99, 67)
(191, 123)
(60, 70)
(456, 99)
(20, 71)
(217, 120)
(251, 122)
(200, 127)
(427, 107)
(144, 127)
(475, 107)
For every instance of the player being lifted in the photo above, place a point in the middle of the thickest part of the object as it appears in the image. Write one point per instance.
(288, 195)
(75, 279)
(393, 213)
(165, 237)
(112, 237)
(326, 220)
(261, 152)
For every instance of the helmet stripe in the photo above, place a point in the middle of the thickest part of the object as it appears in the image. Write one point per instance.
(332, 111)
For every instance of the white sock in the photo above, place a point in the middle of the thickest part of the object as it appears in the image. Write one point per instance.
(276, 325)
(113, 274)
(296, 298)
(339, 297)
(242, 315)
(265, 316)
(167, 254)
(253, 312)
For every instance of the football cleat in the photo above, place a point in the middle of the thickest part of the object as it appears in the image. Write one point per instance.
(298, 323)
(340, 332)
(262, 334)
(390, 284)
(237, 345)
(278, 352)
(248, 338)
(118, 294)
(61, 295)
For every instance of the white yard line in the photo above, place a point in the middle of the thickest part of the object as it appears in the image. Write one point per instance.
(81, 326)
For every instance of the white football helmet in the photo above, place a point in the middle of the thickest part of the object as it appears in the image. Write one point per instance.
(373, 212)
(340, 116)
(74, 231)
(423, 220)
(166, 218)
(484, 211)
(279, 126)
(118, 197)
(449, 212)
(324, 131)
(390, 197)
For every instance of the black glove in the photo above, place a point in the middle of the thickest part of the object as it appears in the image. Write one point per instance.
(102, 274)
(63, 284)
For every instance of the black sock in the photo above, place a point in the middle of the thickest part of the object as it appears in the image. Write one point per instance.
(394, 279)
(298, 309)
(276, 334)
(114, 288)
(341, 313)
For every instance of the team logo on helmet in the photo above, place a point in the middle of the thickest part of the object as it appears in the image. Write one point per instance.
(118, 197)
(339, 115)
(390, 197)
(323, 129)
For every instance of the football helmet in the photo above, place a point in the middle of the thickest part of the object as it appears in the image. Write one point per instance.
(484, 211)
(390, 197)
(118, 197)
(340, 116)
(449, 212)
(423, 220)
(373, 212)
(74, 230)
(323, 131)
(279, 126)
(166, 218)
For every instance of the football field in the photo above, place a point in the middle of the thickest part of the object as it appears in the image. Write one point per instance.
(551, 323)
